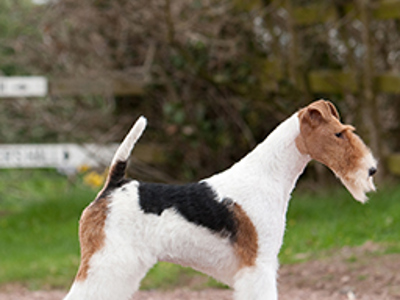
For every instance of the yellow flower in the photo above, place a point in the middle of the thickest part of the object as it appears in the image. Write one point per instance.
(94, 179)
(83, 168)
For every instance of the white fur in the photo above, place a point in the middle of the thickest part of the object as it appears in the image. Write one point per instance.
(359, 182)
(261, 183)
(136, 241)
(124, 150)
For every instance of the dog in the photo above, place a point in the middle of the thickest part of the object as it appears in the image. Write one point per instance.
(229, 226)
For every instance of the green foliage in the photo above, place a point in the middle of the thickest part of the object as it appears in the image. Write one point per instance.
(12, 12)
(221, 73)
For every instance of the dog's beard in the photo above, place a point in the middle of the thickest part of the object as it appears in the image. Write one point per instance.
(358, 185)
(359, 182)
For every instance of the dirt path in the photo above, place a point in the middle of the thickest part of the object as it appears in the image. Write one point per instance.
(351, 273)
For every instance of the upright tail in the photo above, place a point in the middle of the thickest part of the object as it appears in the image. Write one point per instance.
(116, 173)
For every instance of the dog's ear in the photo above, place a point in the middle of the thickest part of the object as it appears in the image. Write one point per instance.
(333, 110)
(311, 117)
(314, 114)
(318, 112)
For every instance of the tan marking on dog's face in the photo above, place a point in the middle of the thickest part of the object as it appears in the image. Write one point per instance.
(91, 234)
(246, 243)
(327, 140)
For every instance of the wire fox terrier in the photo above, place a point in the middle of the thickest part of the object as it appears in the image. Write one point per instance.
(229, 226)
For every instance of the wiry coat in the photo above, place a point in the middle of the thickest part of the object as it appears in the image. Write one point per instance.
(229, 226)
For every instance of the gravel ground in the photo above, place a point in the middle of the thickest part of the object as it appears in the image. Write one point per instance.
(351, 273)
(180, 294)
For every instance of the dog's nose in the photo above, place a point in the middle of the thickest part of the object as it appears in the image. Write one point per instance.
(371, 171)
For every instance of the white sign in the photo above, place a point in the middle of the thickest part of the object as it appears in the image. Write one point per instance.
(62, 156)
(32, 86)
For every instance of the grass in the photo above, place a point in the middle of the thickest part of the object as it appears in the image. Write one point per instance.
(39, 212)
(332, 219)
(38, 227)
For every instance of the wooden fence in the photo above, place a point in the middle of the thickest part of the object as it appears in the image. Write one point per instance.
(117, 85)
(366, 82)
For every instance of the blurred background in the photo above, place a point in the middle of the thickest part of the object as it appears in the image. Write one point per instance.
(213, 77)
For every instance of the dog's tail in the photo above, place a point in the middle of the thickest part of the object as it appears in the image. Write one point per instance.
(120, 160)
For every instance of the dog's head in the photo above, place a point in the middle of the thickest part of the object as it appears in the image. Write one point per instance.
(327, 140)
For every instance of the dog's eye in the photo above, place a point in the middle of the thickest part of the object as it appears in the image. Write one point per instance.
(339, 135)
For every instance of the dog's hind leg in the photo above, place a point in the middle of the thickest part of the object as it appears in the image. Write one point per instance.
(112, 275)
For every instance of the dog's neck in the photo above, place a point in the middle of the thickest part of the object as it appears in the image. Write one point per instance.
(277, 158)
(275, 163)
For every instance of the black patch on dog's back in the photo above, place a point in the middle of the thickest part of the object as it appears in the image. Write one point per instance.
(196, 202)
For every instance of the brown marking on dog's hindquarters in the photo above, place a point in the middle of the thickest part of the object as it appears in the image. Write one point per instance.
(246, 239)
(91, 234)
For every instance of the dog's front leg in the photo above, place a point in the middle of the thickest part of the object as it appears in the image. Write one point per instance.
(256, 283)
